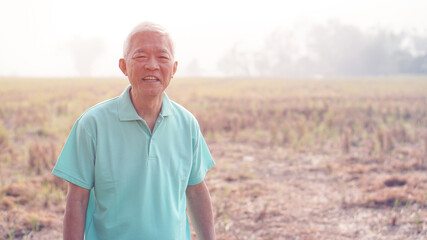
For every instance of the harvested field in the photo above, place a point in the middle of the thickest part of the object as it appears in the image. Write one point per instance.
(295, 159)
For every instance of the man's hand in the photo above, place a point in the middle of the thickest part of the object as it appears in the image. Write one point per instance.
(200, 209)
(75, 212)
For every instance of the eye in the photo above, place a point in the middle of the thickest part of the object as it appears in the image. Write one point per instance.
(139, 58)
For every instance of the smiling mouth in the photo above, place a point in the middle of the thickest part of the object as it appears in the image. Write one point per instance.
(150, 79)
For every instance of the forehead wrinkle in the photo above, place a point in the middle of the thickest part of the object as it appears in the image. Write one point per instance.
(161, 50)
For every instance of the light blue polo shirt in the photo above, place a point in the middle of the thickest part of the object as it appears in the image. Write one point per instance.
(137, 178)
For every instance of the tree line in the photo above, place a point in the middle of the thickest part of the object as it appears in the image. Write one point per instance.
(333, 49)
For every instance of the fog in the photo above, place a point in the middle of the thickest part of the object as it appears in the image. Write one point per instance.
(51, 38)
(331, 49)
(82, 61)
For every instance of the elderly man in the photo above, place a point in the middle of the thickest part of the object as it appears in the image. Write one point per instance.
(135, 162)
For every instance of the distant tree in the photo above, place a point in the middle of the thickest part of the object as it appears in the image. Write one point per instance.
(275, 59)
(193, 69)
(236, 62)
(333, 49)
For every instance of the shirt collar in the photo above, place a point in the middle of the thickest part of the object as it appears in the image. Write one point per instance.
(167, 109)
(127, 111)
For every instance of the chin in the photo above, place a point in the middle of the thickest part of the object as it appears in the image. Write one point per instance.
(152, 93)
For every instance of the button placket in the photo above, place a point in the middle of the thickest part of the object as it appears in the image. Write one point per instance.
(158, 122)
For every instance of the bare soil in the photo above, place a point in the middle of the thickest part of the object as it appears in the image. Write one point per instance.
(273, 193)
(330, 160)
(262, 192)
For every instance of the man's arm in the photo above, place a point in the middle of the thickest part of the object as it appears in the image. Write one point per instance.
(75, 212)
(200, 211)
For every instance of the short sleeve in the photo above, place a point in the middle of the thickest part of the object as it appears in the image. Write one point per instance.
(76, 162)
(202, 158)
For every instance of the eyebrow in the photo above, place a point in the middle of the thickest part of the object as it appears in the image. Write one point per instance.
(163, 50)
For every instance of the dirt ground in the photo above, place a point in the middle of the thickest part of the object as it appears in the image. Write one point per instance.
(260, 188)
(272, 193)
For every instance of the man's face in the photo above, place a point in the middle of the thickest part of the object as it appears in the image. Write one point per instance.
(149, 64)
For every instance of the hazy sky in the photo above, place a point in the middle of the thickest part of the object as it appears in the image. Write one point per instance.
(45, 37)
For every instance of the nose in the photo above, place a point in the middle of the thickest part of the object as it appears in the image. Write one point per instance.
(152, 64)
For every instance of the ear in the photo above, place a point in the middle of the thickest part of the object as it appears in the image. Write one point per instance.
(175, 66)
(122, 66)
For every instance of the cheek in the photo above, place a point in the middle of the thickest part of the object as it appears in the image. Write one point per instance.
(134, 69)
(167, 68)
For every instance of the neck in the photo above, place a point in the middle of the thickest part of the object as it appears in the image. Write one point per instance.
(147, 107)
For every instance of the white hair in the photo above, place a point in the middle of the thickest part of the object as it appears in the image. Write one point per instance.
(147, 27)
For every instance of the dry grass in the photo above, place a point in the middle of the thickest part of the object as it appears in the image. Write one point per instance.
(296, 159)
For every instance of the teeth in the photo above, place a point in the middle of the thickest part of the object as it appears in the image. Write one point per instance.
(150, 78)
